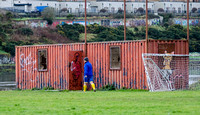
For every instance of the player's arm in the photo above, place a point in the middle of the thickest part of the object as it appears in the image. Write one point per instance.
(85, 70)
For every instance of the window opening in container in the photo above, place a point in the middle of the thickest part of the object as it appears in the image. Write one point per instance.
(42, 60)
(115, 57)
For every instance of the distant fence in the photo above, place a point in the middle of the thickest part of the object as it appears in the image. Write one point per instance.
(194, 68)
(7, 72)
(103, 22)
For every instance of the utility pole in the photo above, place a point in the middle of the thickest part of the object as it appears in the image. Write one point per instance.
(146, 26)
(124, 20)
(85, 28)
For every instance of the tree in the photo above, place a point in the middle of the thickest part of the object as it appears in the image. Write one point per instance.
(103, 11)
(166, 17)
(140, 10)
(25, 31)
(95, 28)
(176, 32)
(9, 15)
(160, 10)
(80, 28)
(2, 34)
(194, 10)
(120, 11)
(70, 31)
(48, 14)
(64, 10)
(154, 33)
(1, 17)
(70, 16)
(166, 25)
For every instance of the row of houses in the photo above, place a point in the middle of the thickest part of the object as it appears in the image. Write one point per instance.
(97, 6)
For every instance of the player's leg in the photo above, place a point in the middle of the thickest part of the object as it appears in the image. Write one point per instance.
(92, 83)
(85, 83)
(85, 86)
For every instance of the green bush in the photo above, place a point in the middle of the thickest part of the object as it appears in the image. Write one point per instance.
(49, 21)
(72, 34)
(176, 32)
(136, 29)
(70, 16)
(8, 28)
(71, 31)
(25, 31)
(152, 16)
(8, 16)
(154, 33)
(9, 46)
(166, 17)
(48, 88)
(80, 28)
(120, 11)
(121, 16)
(48, 14)
(108, 88)
(166, 25)
(95, 28)
(195, 86)
(35, 88)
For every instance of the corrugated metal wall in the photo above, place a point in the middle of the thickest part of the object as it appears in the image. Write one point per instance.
(131, 75)
(27, 74)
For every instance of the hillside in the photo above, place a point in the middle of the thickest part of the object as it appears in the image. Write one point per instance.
(12, 34)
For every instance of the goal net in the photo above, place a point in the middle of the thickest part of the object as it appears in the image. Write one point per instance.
(166, 72)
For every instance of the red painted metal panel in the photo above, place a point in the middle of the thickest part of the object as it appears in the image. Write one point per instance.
(75, 70)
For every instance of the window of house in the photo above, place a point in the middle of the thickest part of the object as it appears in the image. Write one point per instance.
(115, 57)
(42, 60)
(40, 4)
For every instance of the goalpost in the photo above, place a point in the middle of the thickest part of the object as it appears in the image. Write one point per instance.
(166, 72)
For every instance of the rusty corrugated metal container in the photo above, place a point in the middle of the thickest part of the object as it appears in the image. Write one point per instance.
(57, 74)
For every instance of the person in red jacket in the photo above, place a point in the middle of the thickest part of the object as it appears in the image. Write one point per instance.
(88, 74)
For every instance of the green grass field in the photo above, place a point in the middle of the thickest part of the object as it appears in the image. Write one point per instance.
(101, 102)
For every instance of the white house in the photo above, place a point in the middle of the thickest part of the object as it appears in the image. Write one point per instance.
(96, 6)
(7, 4)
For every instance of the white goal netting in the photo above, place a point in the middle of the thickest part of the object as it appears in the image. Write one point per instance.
(166, 72)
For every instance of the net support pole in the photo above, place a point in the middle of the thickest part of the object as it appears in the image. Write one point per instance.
(146, 26)
(124, 19)
(85, 28)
